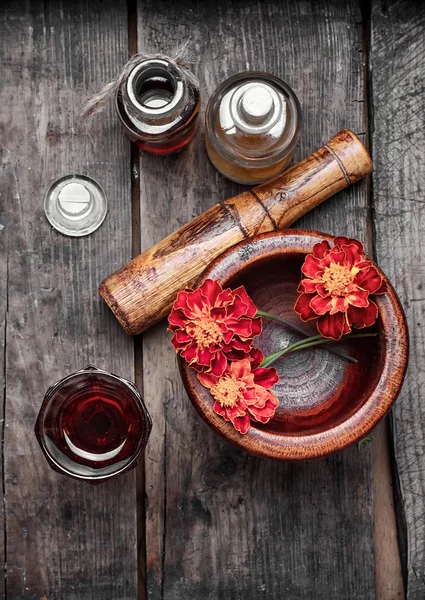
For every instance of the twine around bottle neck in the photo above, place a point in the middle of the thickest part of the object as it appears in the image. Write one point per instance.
(98, 101)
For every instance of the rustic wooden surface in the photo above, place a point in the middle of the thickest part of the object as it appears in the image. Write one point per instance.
(398, 78)
(65, 540)
(220, 523)
(388, 568)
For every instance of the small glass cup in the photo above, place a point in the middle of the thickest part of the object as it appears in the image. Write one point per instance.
(93, 425)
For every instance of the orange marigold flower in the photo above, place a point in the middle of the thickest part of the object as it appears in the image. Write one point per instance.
(242, 392)
(212, 325)
(337, 288)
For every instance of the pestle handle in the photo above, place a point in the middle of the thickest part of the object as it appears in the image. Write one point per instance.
(143, 291)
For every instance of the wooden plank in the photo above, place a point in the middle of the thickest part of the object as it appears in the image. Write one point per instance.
(398, 78)
(4, 177)
(221, 523)
(65, 539)
(388, 572)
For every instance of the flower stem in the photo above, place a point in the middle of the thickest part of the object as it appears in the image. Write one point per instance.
(315, 340)
(262, 313)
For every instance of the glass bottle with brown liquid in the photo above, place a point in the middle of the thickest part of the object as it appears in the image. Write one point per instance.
(158, 105)
(252, 121)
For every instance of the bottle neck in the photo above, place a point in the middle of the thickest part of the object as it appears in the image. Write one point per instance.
(154, 93)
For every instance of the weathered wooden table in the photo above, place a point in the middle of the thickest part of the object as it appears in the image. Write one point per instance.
(201, 520)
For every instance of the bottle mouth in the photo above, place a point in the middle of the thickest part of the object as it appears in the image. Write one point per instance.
(154, 89)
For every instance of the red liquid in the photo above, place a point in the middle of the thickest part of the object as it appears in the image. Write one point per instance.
(174, 145)
(95, 422)
(171, 142)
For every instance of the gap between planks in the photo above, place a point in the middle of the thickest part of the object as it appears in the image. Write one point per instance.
(388, 571)
(138, 346)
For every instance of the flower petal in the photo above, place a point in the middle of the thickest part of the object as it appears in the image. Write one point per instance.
(337, 256)
(321, 305)
(382, 290)
(251, 308)
(190, 353)
(266, 377)
(308, 286)
(197, 304)
(241, 327)
(233, 355)
(237, 309)
(218, 313)
(224, 298)
(236, 411)
(228, 337)
(261, 396)
(208, 380)
(344, 241)
(177, 319)
(352, 253)
(332, 326)
(303, 308)
(240, 368)
(182, 336)
(218, 364)
(320, 248)
(358, 297)
(312, 266)
(204, 356)
(180, 302)
(242, 424)
(238, 344)
(220, 410)
(363, 317)
(321, 290)
(265, 413)
(256, 357)
(339, 304)
(257, 326)
(210, 289)
(369, 279)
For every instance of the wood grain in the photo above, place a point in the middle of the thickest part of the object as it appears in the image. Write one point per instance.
(143, 291)
(66, 540)
(398, 83)
(388, 572)
(219, 522)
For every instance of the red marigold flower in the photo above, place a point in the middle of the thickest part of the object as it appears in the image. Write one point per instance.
(212, 325)
(243, 393)
(337, 288)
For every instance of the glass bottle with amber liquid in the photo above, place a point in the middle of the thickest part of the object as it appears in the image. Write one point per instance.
(252, 121)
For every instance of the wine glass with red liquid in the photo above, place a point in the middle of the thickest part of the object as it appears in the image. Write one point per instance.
(93, 425)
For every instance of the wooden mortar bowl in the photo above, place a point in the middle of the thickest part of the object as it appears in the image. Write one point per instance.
(326, 403)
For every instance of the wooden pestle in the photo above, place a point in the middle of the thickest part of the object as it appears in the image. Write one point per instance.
(143, 291)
